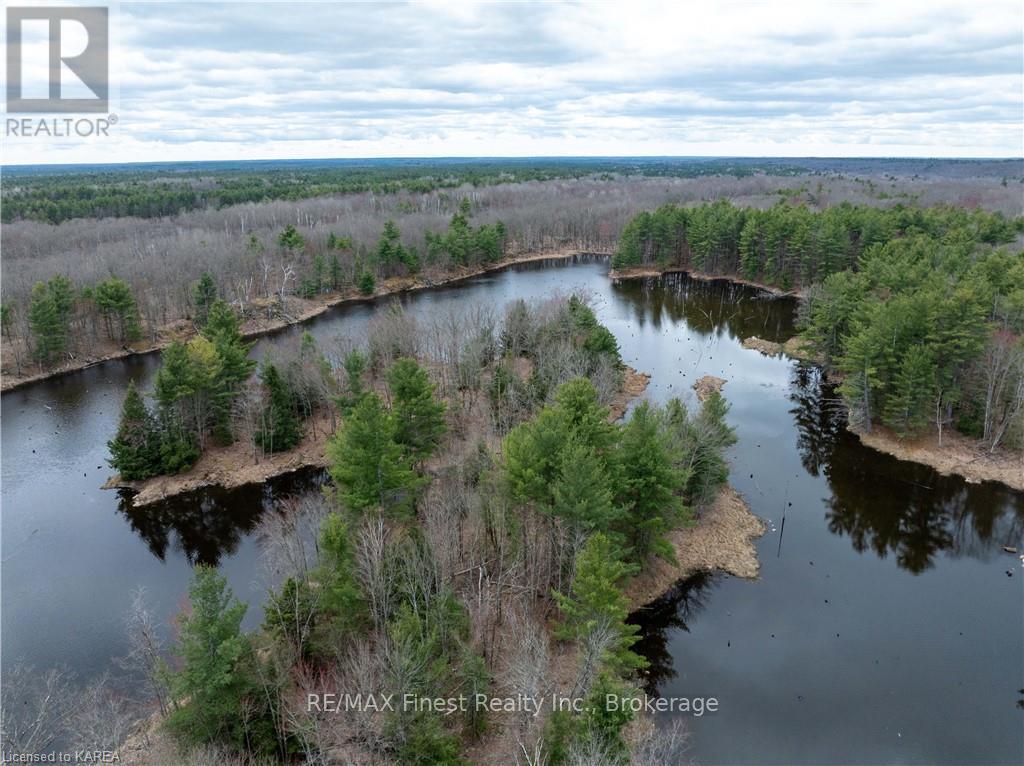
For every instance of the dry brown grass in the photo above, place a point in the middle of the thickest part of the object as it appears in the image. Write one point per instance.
(766, 347)
(959, 455)
(708, 385)
(634, 383)
(721, 539)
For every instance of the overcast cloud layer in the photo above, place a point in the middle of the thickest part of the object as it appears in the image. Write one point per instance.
(224, 81)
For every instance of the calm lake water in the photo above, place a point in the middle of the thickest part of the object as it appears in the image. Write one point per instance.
(884, 627)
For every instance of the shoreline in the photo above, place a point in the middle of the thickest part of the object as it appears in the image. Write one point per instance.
(640, 272)
(959, 455)
(232, 466)
(634, 383)
(720, 539)
(309, 309)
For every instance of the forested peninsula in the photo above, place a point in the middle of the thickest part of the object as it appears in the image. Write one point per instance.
(918, 313)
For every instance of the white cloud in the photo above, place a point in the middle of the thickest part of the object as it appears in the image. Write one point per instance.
(226, 81)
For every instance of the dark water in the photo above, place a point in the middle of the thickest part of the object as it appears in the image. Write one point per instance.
(883, 629)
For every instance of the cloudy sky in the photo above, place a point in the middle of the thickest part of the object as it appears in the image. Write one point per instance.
(225, 81)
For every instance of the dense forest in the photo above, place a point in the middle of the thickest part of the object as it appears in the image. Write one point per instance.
(791, 245)
(152, 190)
(921, 310)
(483, 518)
(927, 333)
(147, 192)
(334, 246)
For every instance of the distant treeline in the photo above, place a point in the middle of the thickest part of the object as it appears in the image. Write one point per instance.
(169, 189)
(790, 245)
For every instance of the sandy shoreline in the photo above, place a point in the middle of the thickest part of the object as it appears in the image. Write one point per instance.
(306, 310)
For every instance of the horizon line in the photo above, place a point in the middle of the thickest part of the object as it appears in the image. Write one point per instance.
(427, 158)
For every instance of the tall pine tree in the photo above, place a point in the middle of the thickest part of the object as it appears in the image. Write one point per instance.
(135, 449)
(647, 483)
(368, 466)
(418, 415)
(279, 428)
(596, 602)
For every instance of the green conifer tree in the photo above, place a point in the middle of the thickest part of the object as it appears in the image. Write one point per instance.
(204, 293)
(646, 486)
(596, 602)
(135, 449)
(280, 428)
(212, 683)
(49, 332)
(368, 466)
(418, 415)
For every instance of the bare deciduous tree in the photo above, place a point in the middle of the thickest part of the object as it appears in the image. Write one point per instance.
(145, 657)
(35, 708)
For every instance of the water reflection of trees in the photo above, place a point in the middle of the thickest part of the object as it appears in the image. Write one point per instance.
(209, 524)
(660, 619)
(889, 506)
(707, 307)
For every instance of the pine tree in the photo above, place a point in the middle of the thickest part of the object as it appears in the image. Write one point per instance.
(205, 369)
(533, 457)
(135, 449)
(173, 381)
(859, 363)
(908, 407)
(585, 417)
(204, 293)
(334, 271)
(280, 428)
(223, 330)
(646, 486)
(63, 295)
(319, 272)
(699, 444)
(49, 332)
(290, 239)
(367, 283)
(212, 683)
(597, 603)
(354, 364)
(390, 251)
(368, 466)
(118, 308)
(418, 415)
(174, 389)
(341, 598)
(582, 492)
(601, 725)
